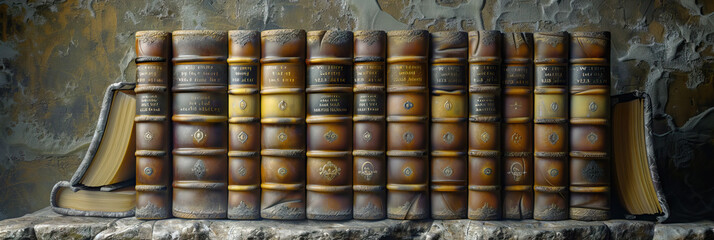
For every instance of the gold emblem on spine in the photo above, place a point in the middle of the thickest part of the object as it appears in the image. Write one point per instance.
(408, 137)
(407, 171)
(592, 106)
(517, 171)
(242, 104)
(199, 136)
(282, 171)
(282, 137)
(554, 106)
(331, 136)
(367, 170)
(282, 105)
(448, 105)
(330, 171)
(408, 105)
(448, 171)
(367, 136)
(242, 137)
(485, 137)
(515, 105)
(553, 172)
(487, 171)
(553, 138)
(448, 138)
(592, 138)
(516, 138)
(148, 136)
(242, 171)
(199, 169)
(148, 171)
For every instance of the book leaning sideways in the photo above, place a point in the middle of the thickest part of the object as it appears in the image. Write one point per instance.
(103, 185)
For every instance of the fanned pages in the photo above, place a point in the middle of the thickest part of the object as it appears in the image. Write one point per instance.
(115, 123)
(200, 117)
(449, 104)
(243, 124)
(369, 169)
(153, 107)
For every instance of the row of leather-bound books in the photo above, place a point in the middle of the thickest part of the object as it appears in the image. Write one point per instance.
(333, 125)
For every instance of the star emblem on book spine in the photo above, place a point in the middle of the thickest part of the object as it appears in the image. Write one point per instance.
(516, 105)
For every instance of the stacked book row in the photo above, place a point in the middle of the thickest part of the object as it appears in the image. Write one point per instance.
(334, 125)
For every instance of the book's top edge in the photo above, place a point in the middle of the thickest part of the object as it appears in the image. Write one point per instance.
(243, 37)
(449, 37)
(550, 34)
(368, 33)
(153, 34)
(215, 33)
(289, 32)
(337, 37)
(408, 33)
(602, 35)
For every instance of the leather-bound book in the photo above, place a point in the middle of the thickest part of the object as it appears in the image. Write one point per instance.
(282, 111)
(200, 116)
(407, 124)
(448, 141)
(484, 125)
(243, 124)
(550, 129)
(153, 106)
(369, 169)
(329, 125)
(589, 125)
(517, 130)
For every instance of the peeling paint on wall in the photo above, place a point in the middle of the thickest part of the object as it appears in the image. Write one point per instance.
(57, 57)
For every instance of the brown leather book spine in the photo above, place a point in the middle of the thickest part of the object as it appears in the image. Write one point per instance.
(484, 125)
(329, 125)
(282, 111)
(153, 106)
(550, 130)
(589, 125)
(449, 102)
(200, 116)
(518, 127)
(243, 124)
(369, 168)
(407, 124)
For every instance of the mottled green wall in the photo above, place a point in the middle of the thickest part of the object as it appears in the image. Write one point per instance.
(57, 57)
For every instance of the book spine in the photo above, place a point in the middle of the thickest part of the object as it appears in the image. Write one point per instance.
(550, 130)
(200, 119)
(447, 83)
(517, 128)
(407, 124)
(369, 168)
(329, 125)
(282, 103)
(484, 125)
(589, 125)
(243, 125)
(153, 105)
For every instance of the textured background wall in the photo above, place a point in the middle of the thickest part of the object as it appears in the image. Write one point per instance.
(57, 57)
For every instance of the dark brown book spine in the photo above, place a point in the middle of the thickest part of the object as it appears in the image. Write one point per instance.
(589, 125)
(329, 125)
(550, 130)
(407, 124)
(449, 102)
(369, 168)
(282, 103)
(153, 106)
(518, 126)
(200, 116)
(243, 124)
(484, 125)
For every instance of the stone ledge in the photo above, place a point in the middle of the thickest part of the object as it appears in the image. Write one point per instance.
(45, 224)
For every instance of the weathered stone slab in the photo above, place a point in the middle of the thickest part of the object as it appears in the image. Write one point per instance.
(45, 224)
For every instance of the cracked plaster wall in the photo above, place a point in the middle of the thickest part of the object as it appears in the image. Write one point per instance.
(57, 57)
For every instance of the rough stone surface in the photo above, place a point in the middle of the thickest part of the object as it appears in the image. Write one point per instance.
(45, 224)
